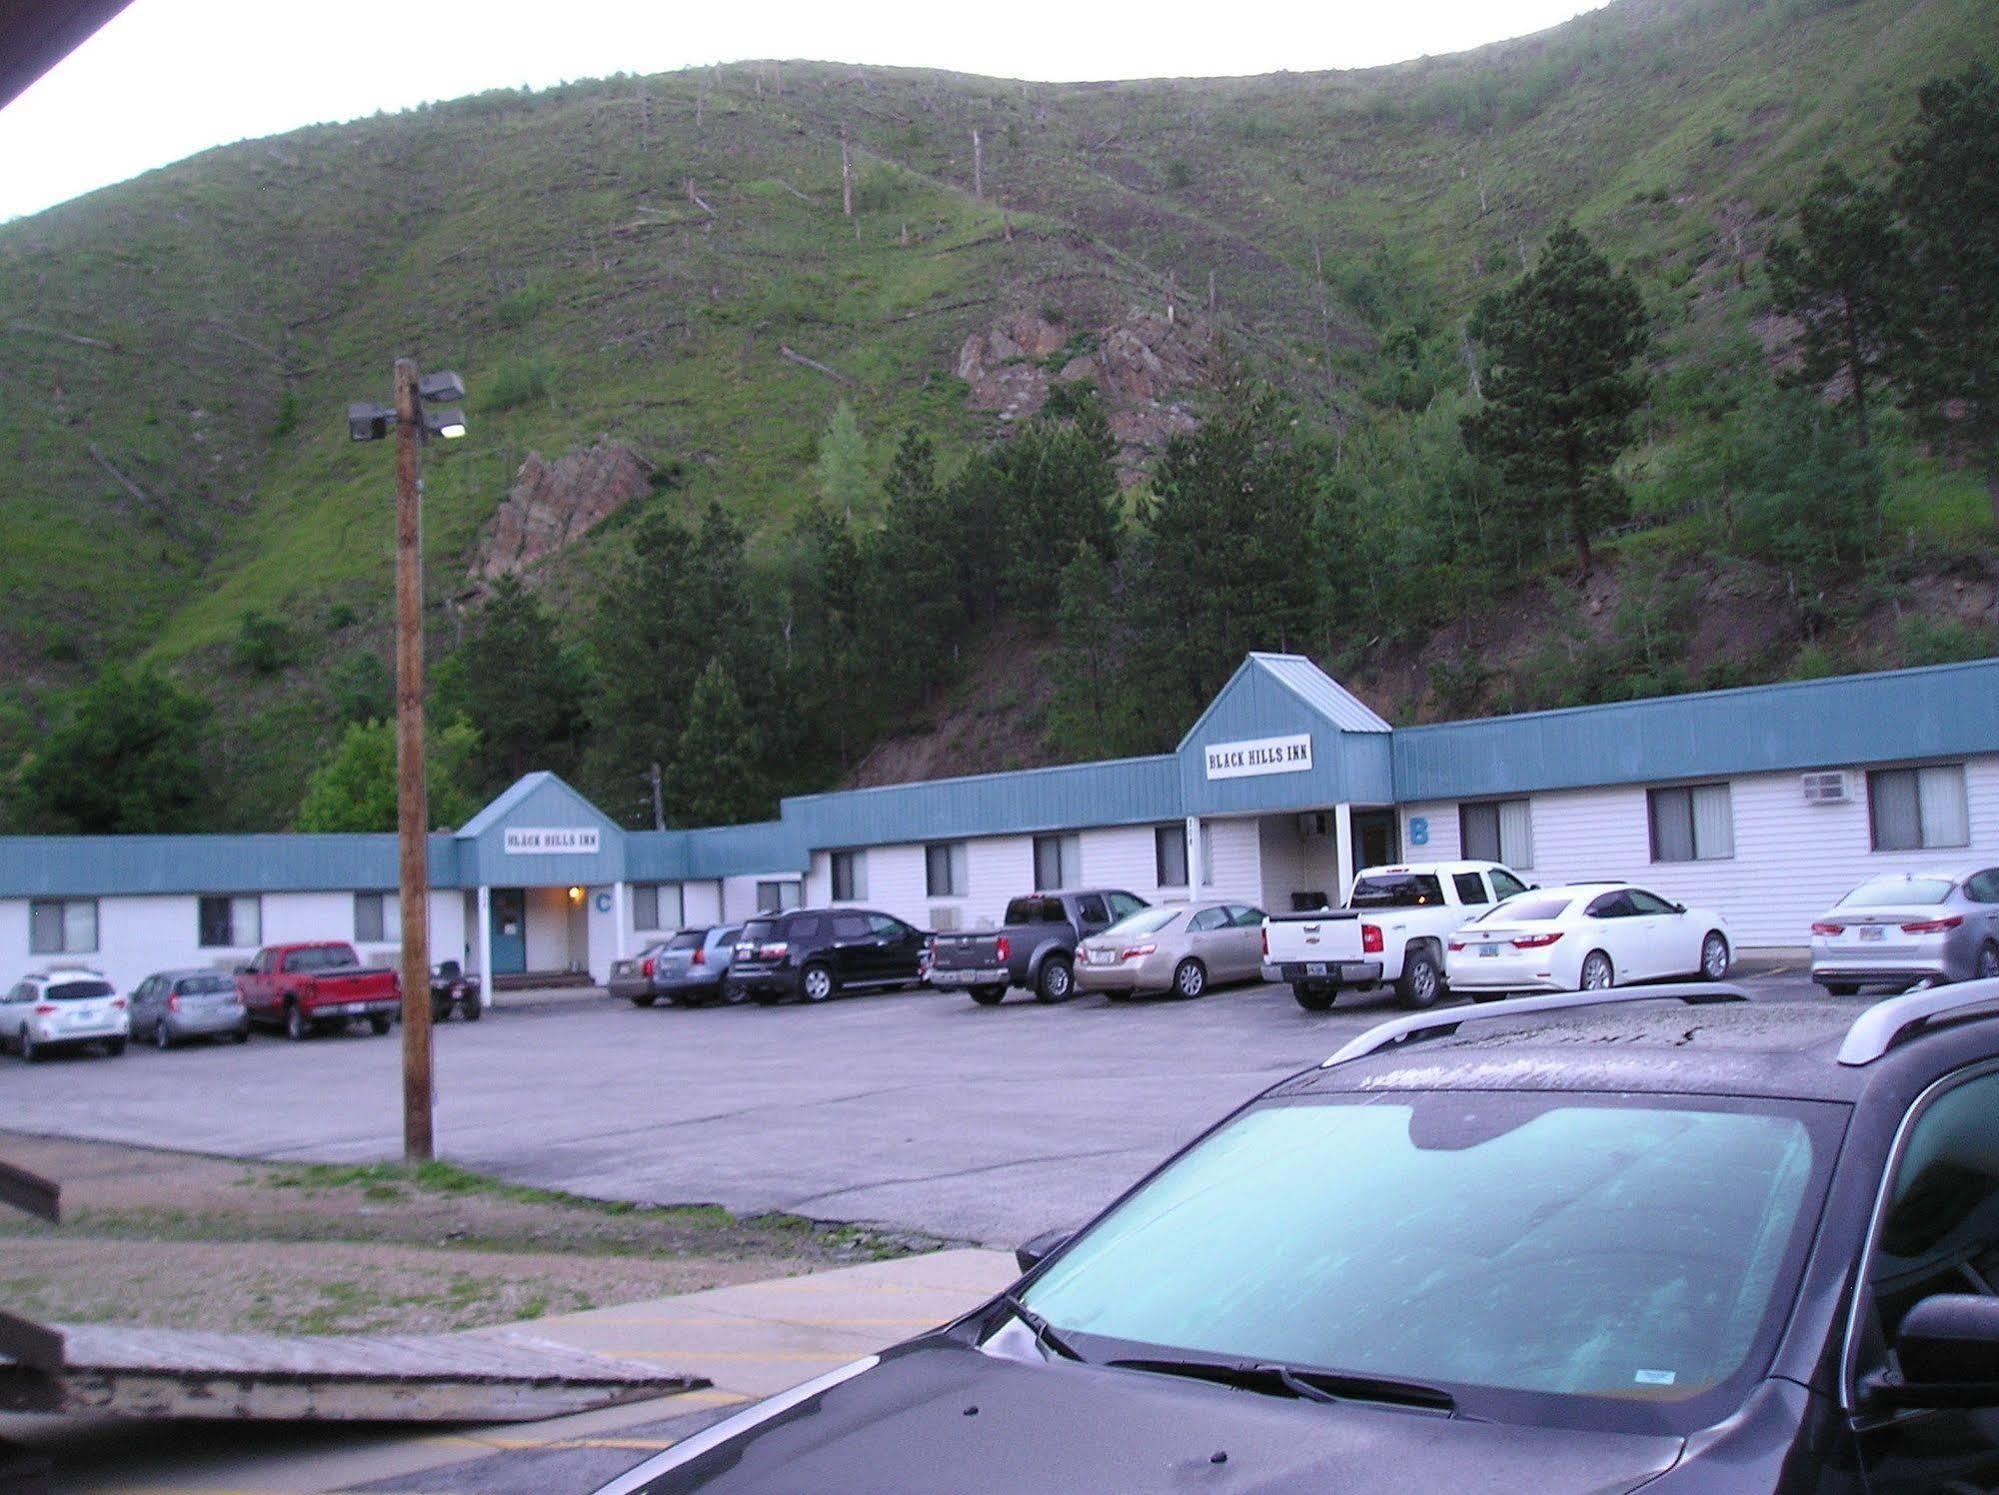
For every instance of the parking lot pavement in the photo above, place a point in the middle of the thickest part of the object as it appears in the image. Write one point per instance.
(921, 1111)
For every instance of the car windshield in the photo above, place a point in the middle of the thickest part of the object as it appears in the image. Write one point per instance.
(1145, 921)
(1396, 890)
(76, 991)
(1573, 1246)
(321, 958)
(1524, 910)
(1892, 892)
(202, 986)
(687, 939)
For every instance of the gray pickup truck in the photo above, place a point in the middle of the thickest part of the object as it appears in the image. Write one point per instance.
(1034, 948)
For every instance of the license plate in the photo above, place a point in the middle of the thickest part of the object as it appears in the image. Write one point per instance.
(1315, 968)
(1487, 951)
(1100, 957)
(1871, 932)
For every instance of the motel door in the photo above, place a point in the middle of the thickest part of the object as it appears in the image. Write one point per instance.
(1375, 839)
(510, 931)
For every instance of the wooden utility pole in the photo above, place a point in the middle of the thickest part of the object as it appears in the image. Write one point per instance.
(412, 808)
(978, 168)
(846, 175)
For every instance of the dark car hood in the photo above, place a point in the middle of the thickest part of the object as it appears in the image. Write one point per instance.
(905, 1426)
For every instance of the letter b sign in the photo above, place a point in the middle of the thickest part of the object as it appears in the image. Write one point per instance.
(1419, 830)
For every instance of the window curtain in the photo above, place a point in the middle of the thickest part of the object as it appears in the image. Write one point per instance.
(1941, 803)
(1672, 826)
(1516, 833)
(1713, 822)
(1892, 802)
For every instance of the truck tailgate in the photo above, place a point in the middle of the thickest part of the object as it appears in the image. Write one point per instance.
(962, 952)
(1326, 936)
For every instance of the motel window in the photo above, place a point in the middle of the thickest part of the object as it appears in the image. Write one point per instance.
(1694, 824)
(657, 905)
(946, 872)
(777, 895)
(1169, 855)
(226, 922)
(62, 926)
(850, 876)
(1497, 830)
(1058, 862)
(377, 919)
(1913, 808)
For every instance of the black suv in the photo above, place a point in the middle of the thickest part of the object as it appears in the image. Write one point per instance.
(1653, 1238)
(816, 953)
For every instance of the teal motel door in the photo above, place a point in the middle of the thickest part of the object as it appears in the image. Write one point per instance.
(510, 931)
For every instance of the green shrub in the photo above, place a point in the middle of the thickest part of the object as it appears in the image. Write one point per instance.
(518, 308)
(264, 645)
(516, 381)
(1179, 175)
(1925, 640)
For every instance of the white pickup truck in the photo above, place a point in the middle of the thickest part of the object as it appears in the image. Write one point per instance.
(1392, 929)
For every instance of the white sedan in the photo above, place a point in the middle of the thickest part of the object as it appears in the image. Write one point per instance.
(1585, 937)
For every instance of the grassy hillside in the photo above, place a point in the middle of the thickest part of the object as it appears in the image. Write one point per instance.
(175, 353)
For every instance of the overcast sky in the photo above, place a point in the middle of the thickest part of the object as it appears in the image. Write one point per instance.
(170, 77)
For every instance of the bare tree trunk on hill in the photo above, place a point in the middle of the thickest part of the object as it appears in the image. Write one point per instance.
(846, 175)
(978, 168)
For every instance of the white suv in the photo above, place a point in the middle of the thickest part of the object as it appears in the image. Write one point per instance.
(64, 1008)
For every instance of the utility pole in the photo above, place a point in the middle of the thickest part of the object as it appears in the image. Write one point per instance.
(412, 808)
(978, 167)
(846, 176)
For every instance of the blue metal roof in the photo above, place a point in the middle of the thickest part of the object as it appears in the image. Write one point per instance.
(1118, 791)
(1887, 717)
(112, 866)
(1286, 695)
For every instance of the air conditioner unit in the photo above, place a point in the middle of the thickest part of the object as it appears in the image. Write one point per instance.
(1827, 788)
(943, 919)
(1316, 823)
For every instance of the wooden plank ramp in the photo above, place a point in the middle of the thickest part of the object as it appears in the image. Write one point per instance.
(484, 1375)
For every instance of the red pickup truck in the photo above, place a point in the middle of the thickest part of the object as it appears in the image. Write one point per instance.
(301, 988)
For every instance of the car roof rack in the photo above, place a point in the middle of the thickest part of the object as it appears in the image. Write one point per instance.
(1888, 1022)
(1421, 1025)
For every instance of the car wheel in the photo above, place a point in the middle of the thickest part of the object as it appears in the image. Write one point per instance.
(1190, 979)
(1056, 981)
(297, 1029)
(1312, 998)
(1988, 962)
(1714, 955)
(30, 1053)
(988, 996)
(114, 1048)
(471, 1010)
(1420, 982)
(815, 983)
(241, 1035)
(162, 1040)
(1597, 974)
(642, 1001)
(379, 1025)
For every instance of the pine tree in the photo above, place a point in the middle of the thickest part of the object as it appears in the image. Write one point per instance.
(717, 771)
(1946, 352)
(517, 684)
(1842, 278)
(1561, 393)
(1058, 484)
(912, 614)
(1095, 710)
(841, 473)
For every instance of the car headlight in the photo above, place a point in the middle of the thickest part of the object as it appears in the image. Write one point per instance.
(696, 1444)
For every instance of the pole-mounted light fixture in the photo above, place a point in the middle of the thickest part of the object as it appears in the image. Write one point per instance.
(368, 422)
(444, 390)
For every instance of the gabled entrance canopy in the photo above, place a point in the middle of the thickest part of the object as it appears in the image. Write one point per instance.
(1283, 735)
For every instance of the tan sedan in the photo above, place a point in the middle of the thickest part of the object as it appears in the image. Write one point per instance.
(1181, 948)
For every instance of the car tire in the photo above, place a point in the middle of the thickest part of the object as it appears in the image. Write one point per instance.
(379, 1025)
(30, 1052)
(642, 1001)
(1715, 956)
(241, 1035)
(1987, 966)
(162, 1040)
(816, 983)
(1055, 981)
(1421, 982)
(114, 1048)
(1312, 998)
(1190, 979)
(297, 1028)
(1596, 973)
(472, 1010)
(988, 996)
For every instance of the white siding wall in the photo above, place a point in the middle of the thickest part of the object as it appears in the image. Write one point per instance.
(1124, 856)
(1293, 863)
(1238, 865)
(1792, 860)
(999, 868)
(702, 902)
(138, 936)
(1441, 826)
(602, 933)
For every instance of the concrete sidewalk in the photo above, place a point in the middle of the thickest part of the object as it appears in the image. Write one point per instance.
(749, 1341)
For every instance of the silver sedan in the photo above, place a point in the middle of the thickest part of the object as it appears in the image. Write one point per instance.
(1182, 948)
(1909, 928)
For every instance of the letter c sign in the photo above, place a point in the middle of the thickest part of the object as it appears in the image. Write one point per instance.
(1419, 830)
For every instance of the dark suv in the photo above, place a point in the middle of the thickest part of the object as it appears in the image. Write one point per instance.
(816, 953)
(1658, 1238)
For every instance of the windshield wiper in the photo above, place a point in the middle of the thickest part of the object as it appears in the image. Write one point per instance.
(1045, 1333)
(1304, 1382)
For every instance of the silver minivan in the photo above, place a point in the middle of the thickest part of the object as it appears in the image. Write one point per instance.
(1906, 929)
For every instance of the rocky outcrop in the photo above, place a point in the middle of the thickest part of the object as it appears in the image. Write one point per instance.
(1144, 367)
(556, 503)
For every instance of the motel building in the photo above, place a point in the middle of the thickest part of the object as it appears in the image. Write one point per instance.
(1766, 803)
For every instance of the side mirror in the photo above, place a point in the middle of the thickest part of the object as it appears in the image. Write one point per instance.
(1038, 1250)
(1946, 1353)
